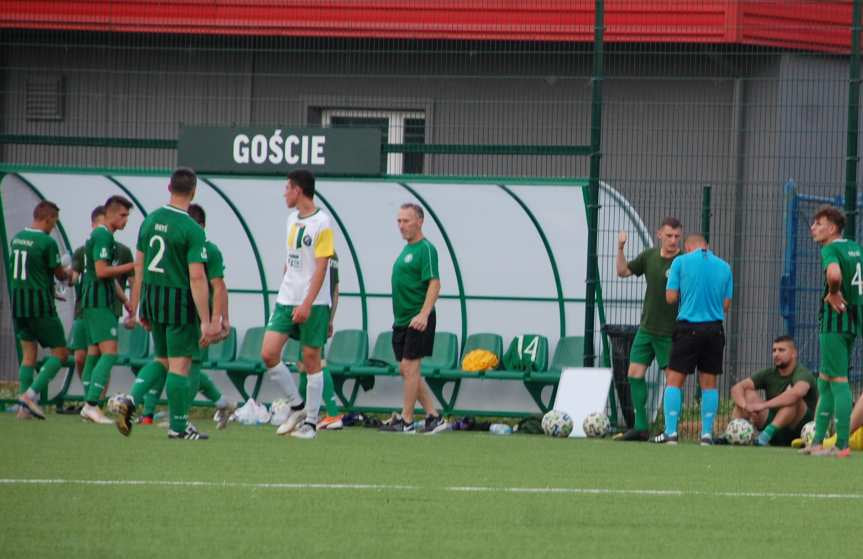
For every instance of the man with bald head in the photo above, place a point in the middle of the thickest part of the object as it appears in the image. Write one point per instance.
(701, 283)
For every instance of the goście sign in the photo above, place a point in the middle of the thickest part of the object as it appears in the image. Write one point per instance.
(277, 150)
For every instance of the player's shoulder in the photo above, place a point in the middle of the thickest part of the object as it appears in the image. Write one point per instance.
(101, 233)
(321, 218)
(212, 248)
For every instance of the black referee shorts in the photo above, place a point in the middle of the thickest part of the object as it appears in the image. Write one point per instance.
(409, 343)
(697, 345)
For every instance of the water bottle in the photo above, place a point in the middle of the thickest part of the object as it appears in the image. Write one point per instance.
(500, 429)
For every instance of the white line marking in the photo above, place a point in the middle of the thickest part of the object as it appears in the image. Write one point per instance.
(456, 489)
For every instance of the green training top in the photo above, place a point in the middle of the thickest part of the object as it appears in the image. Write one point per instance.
(78, 266)
(773, 384)
(215, 266)
(412, 271)
(849, 256)
(657, 316)
(98, 293)
(34, 255)
(122, 255)
(170, 240)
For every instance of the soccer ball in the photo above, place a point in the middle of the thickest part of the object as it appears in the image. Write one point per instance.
(596, 424)
(557, 423)
(739, 431)
(114, 403)
(279, 410)
(807, 433)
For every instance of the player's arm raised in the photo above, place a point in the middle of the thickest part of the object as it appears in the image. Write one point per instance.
(623, 270)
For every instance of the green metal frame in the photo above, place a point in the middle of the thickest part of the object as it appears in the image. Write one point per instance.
(851, 153)
(41, 196)
(252, 241)
(360, 281)
(455, 264)
(128, 192)
(551, 259)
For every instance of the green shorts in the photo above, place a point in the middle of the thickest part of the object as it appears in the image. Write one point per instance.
(101, 324)
(47, 331)
(311, 333)
(835, 352)
(78, 335)
(176, 340)
(646, 347)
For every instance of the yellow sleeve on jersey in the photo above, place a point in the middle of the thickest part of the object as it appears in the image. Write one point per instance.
(324, 244)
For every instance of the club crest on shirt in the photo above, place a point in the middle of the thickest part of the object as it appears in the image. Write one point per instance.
(409, 258)
(307, 240)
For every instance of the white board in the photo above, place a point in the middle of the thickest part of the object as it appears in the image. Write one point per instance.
(582, 391)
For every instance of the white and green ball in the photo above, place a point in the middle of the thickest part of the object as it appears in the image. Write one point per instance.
(557, 423)
(807, 433)
(739, 431)
(114, 403)
(596, 424)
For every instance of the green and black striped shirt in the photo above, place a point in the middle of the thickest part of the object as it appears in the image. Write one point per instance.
(34, 255)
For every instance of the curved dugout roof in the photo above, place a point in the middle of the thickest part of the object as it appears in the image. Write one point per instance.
(512, 253)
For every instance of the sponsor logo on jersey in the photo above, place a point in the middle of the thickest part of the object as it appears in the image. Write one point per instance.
(409, 258)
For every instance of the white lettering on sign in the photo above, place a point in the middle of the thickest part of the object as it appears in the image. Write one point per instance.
(306, 150)
(241, 148)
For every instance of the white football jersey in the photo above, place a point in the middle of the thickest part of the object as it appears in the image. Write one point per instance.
(308, 238)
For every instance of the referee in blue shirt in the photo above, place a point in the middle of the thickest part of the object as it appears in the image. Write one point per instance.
(701, 282)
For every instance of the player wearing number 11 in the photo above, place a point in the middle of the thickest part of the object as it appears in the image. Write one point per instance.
(840, 323)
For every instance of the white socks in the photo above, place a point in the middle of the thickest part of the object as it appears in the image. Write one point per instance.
(314, 395)
(281, 375)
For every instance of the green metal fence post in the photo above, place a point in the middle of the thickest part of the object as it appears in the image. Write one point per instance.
(593, 188)
(851, 157)
(705, 212)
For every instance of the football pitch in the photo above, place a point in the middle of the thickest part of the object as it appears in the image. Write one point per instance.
(69, 489)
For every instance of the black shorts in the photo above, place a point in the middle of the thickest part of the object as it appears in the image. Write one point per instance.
(697, 344)
(409, 343)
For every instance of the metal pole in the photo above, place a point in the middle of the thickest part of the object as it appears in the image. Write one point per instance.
(851, 157)
(593, 187)
(705, 212)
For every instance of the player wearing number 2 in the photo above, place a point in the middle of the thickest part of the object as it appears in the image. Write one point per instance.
(171, 285)
(840, 323)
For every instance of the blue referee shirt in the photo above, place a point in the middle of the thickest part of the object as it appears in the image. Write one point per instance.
(704, 282)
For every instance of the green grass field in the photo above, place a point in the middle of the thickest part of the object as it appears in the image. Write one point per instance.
(69, 489)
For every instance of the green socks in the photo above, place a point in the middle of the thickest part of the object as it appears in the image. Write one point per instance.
(638, 389)
(178, 401)
(46, 375)
(25, 378)
(823, 411)
(87, 373)
(842, 408)
(330, 402)
(194, 380)
(209, 388)
(151, 400)
(329, 395)
(147, 377)
(100, 377)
